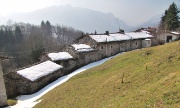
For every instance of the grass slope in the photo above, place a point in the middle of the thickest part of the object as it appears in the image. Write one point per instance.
(151, 79)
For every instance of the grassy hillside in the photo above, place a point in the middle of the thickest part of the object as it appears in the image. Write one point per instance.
(151, 79)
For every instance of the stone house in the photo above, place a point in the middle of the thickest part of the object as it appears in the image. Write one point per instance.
(83, 54)
(32, 78)
(109, 44)
(168, 37)
(140, 39)
(62, 58)
(152, 31)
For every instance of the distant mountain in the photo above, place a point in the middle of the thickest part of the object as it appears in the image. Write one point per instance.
(79, 18)
(152, 22)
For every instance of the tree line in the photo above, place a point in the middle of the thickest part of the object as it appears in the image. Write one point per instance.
(25, 43)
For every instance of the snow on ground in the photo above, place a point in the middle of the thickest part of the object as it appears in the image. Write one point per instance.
(110, 37)
(29, 101)
(37, 71)
(82, 47)
(59, 56)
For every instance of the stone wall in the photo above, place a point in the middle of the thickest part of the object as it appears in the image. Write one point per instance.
(136, 44)
(3, 97)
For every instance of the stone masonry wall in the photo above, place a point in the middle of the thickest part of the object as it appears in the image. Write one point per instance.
(3, 97)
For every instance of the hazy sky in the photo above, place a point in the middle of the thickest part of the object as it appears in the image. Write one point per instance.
(131, 11)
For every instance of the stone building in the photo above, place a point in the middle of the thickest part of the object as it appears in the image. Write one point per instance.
(62, 58)
(3, 97)
(152, 31)
(90, 48)
(140, 39)
(32, 78)
(83, 54)
(109, 44)
(168, 37)
(146, 43)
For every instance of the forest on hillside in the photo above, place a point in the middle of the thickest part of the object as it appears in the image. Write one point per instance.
(25, 43)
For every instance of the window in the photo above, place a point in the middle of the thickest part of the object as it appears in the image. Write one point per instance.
(101, 47)
(136, 43)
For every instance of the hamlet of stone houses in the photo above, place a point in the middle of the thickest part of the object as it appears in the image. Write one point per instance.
(88, 49)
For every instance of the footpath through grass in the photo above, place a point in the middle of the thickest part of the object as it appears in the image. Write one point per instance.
(151, 79)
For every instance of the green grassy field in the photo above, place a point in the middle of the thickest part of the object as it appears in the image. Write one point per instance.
(151, 80)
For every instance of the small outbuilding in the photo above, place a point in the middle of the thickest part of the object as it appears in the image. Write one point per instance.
(62, 58)
(146, 43)
(33, 78)
(85, 54)
(168, 37)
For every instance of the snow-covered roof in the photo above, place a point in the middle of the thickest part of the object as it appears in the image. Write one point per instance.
(37, 71)
(144, 31)
(139, 35)
(148, 39)
(110, 37)
(82, 47)
(59, 56)
(176, 33)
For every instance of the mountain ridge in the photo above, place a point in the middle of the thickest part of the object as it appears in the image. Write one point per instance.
(84, 19)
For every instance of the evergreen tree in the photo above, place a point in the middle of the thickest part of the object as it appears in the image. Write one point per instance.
(37, 52)
(95, 32)
(48, 28)
(11, 38)
(42, 24)
(170, 19)
(1, 37)
(18, 34)
(162, 22)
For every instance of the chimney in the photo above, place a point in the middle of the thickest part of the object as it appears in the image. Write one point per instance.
(107, 33)
(121, 31)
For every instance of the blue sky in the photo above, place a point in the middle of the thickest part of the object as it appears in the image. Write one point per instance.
(131, 11)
